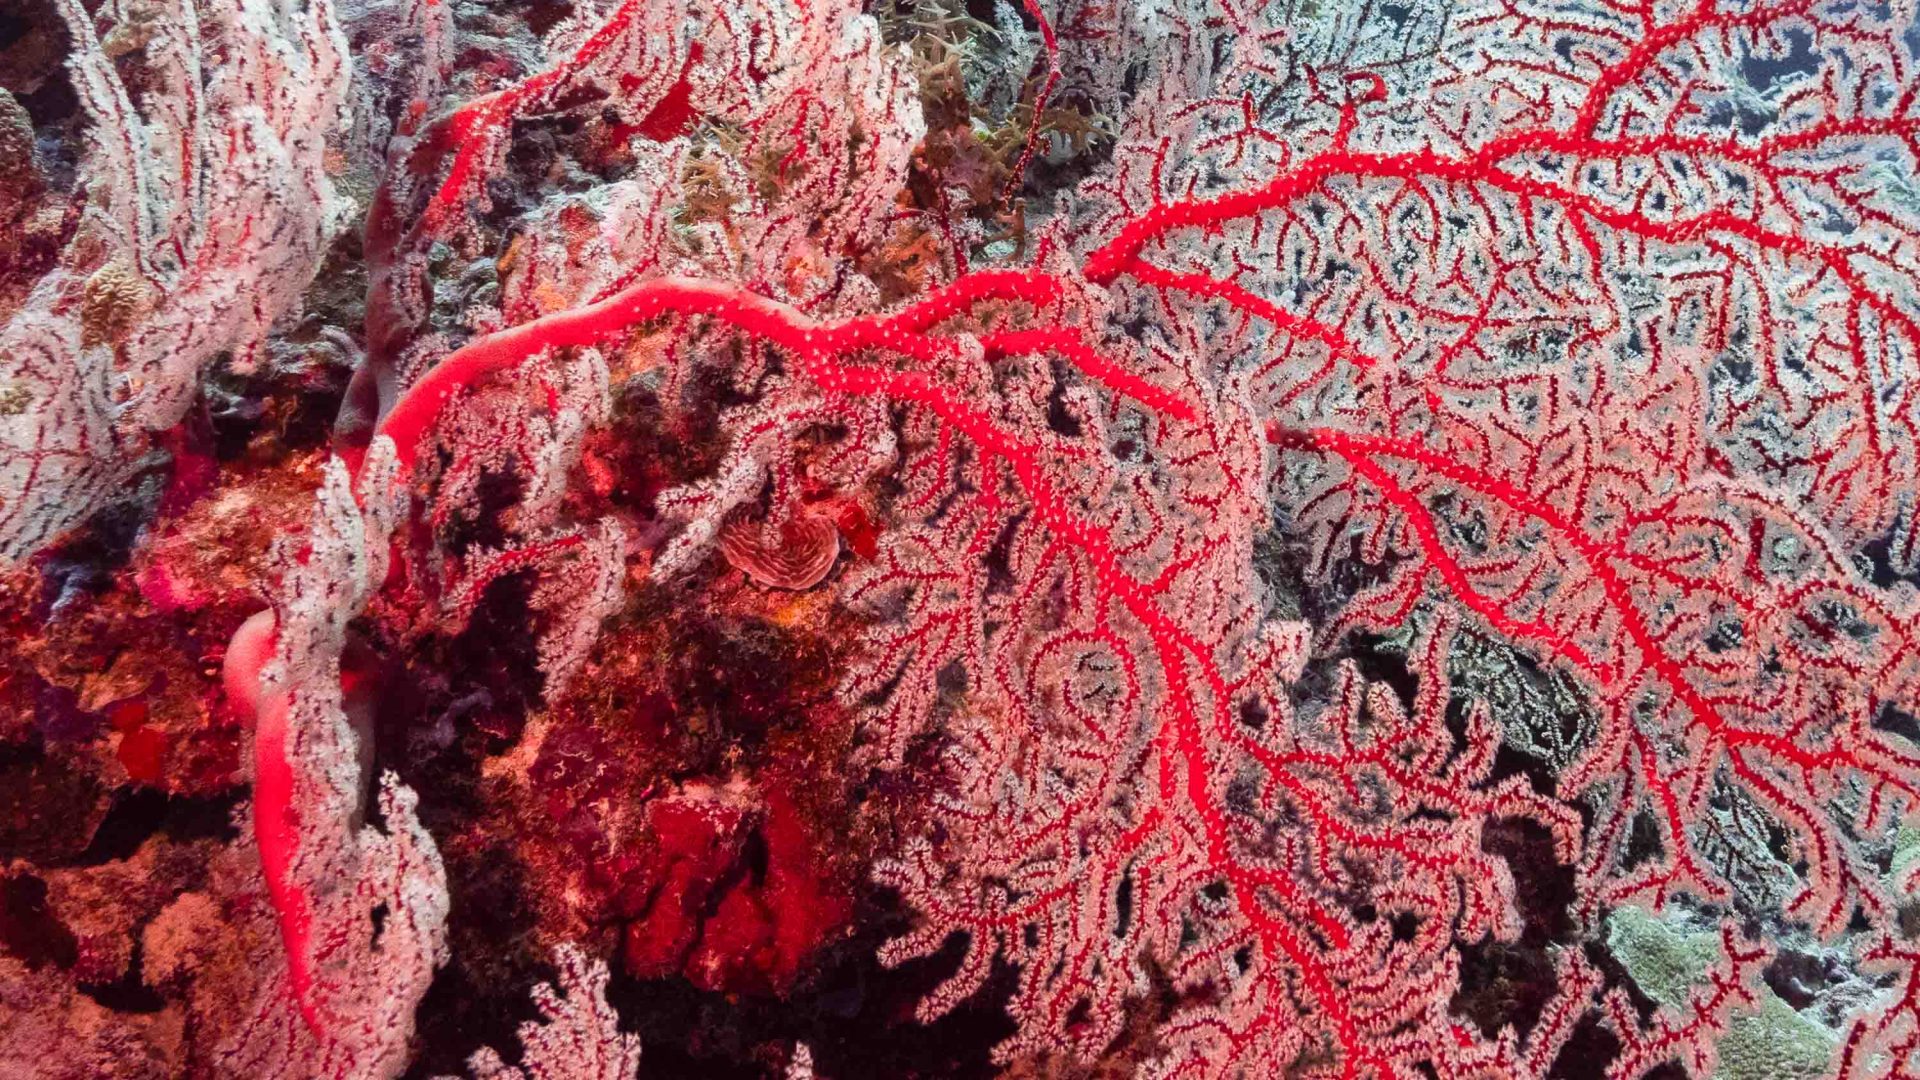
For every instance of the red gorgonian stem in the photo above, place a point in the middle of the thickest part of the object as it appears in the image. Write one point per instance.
(1017, 175)
(276, 823)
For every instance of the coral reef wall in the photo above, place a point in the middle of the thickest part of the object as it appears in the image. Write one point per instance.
(1228, 538)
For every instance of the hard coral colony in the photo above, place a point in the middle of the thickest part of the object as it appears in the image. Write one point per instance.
(1314, 538)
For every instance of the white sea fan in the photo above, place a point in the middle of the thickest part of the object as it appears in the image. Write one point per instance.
(209, 207)
(578, 1035)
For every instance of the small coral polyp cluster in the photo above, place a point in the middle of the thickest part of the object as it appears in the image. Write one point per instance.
(1194, 538)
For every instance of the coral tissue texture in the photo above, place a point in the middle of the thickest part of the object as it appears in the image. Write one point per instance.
(580, 539)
